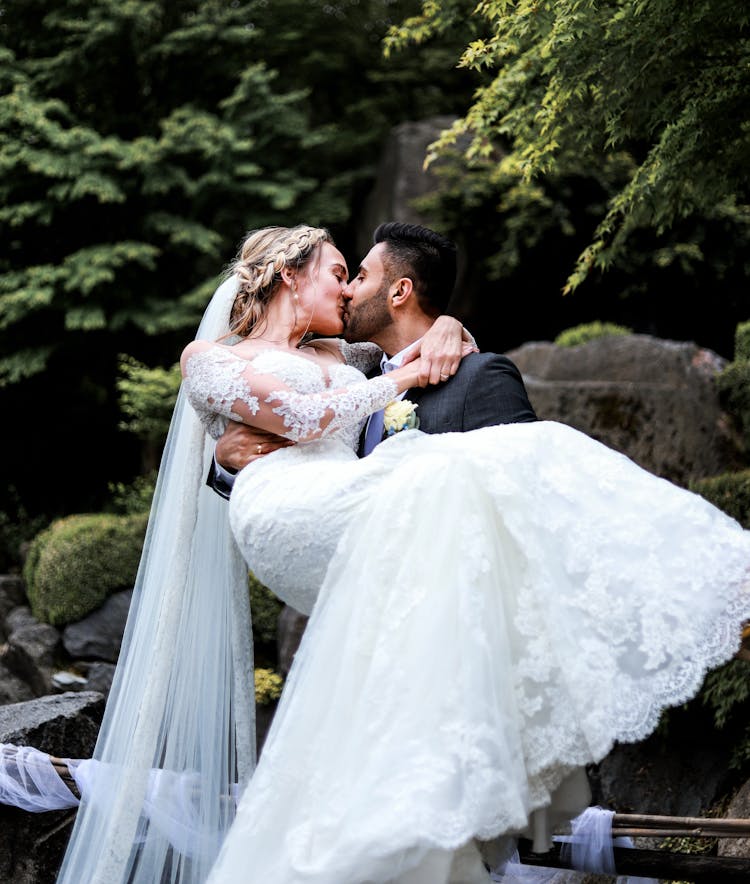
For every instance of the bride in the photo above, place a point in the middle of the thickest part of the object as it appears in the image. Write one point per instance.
(490, 611)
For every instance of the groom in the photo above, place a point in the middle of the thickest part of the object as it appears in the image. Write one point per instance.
(403, 284)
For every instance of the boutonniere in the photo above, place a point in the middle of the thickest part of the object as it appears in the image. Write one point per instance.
(400, 414)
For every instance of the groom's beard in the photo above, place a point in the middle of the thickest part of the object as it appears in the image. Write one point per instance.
(366, 321)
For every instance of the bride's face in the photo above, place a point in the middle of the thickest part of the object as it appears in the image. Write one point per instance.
(320, 290)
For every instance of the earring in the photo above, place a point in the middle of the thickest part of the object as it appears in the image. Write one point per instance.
(294, 293)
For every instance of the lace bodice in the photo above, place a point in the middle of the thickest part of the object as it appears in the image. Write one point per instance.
(285, 393)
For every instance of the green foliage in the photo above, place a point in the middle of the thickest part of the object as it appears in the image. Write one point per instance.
(147, 397)
(728, 491)
(268, 685)
(133, 497)
(590, 331)
(16, 528)
(77, 562)
(726, 693)
(570, 86)
(742, 342)
(734, 382)
(265, 608)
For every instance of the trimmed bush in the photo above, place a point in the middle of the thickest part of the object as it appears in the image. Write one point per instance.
(589, 331)
(742, 342)
(734, 382)
(729, 492)
(265, 608)
(76, 563)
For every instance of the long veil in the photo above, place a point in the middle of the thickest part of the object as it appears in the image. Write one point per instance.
(178, 736)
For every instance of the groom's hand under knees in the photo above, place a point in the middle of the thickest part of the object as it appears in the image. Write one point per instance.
(240, 445)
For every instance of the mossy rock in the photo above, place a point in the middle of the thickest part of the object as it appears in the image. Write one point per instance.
(729, 492)
(734, 393)
(589, 331)
(76, 563)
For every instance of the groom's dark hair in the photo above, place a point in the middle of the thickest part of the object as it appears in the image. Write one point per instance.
(426, 257)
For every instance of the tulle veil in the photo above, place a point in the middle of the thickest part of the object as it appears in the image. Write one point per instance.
(178, 737)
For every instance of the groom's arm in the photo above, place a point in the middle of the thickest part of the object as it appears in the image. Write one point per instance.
(235, 449)
(496, 394)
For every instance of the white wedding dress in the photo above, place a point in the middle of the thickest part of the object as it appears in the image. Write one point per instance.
(490, 611)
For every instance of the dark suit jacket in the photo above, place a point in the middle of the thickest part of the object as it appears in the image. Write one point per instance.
(486, 390)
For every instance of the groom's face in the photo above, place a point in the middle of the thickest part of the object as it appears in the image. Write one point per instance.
(366, 312)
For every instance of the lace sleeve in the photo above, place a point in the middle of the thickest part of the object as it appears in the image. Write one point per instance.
(364, 356)
(221, 383)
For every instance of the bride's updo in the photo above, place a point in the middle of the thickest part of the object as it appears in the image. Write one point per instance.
(262, 257)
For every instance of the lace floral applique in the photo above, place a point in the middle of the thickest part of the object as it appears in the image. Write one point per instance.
(303, 414)
(363, 356)
(214, 382)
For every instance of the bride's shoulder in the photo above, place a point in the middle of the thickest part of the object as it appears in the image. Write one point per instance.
(200, 348)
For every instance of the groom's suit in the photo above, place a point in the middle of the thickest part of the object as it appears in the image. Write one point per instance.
(486, 390)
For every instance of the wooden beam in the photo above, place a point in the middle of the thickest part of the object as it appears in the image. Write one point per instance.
(656, 864)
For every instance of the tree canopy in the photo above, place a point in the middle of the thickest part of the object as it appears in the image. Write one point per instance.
(657, 88)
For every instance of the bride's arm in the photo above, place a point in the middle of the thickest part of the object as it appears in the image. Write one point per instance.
(216, 380)
(440, 354)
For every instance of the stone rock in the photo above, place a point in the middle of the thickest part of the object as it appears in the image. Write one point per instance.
(291, 628)
(99, 677)
(12, 594)
(739, 808)
(32, 649)
(99, 635)
(66, 725)
(401, 177)
(12, 688)
(651, 399)
(682, 773)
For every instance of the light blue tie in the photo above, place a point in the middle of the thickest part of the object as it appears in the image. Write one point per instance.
(374, 431)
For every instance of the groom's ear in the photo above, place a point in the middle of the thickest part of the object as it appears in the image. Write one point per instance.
(401, 291)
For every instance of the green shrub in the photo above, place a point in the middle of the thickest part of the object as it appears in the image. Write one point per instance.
(76, 563)
(265, 608)
(589, 331)
(133, 497)
(729, 491)
(734, 383)
(742, 342)
(726, 692)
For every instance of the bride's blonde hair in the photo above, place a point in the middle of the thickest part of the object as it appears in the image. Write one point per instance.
(262, 257)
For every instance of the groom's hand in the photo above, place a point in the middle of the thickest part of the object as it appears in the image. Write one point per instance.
(240, 445)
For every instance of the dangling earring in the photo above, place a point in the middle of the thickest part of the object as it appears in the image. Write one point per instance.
(295, 296)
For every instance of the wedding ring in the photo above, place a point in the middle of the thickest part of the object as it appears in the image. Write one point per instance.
(259, 449)
(444, 377)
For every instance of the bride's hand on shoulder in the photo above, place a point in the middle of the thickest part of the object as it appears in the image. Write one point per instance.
(440, 351)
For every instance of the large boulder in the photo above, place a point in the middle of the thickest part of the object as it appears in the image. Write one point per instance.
(32, 845)
(31, 651)
(652, 399)
(99, 635)
(739, 809)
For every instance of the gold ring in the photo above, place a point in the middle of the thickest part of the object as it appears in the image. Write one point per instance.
(259, 449)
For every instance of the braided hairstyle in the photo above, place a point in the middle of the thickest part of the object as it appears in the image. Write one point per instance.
(262, 257)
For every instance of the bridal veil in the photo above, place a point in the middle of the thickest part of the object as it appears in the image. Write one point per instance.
(178, 736)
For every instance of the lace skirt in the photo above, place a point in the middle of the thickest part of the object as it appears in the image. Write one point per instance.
(498, 608)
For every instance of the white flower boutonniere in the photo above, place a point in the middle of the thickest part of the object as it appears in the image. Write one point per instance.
(401, 414)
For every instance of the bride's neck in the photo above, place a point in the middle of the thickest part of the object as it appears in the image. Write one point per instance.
(284, 324)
